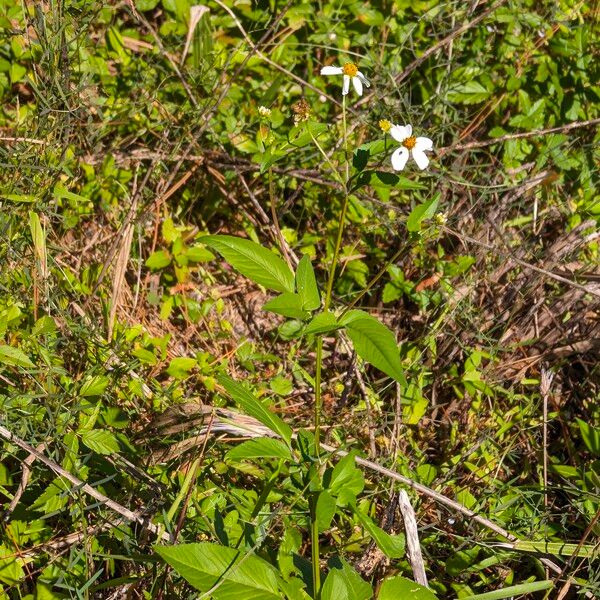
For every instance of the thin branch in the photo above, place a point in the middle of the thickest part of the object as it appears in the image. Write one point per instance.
(84, 487)
(522, 135)
(552, 275)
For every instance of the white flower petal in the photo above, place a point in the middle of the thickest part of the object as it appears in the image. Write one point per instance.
(357, 83)
(420, 158)
(332, 70)
(399, 158)
(346, 85)
(423, 143)
(400, 133)
(409, 129)
(364, 80)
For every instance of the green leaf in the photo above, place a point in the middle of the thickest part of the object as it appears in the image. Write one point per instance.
(306, 285)
(181, 366)
(421, 212)
(100, 441)
(94, 386)
(233, 574)
(287, 304)
(346, 481)
(591, 436)
(14, 357)
(11, 569)
(555, 548)
(252, 260)
(471, 92)
(199, 254)
(397, 587)
(144, 5)
(18, 197)
(512, 591)
(158, 260)
(344, 583)
(322, 323)
(374, 343)
(391, 545)
(326, 506)
(255, 408)
(260, 448)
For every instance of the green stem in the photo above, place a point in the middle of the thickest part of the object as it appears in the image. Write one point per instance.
(372, 282)
(314, 531)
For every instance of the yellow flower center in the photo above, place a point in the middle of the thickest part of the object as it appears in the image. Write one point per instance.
(385, 125)
(410, 142)
(350, 69)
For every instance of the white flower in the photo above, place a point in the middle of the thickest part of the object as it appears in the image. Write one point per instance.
(417, 146)
(351, 73)
(263, 111)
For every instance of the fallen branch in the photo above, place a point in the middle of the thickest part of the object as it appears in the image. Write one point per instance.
(84, 487)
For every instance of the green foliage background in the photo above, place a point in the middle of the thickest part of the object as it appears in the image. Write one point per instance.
(126, 135)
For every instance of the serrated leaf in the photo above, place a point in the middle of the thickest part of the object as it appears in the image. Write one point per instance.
(306, 285)
(287, 304)
(397, 587)
(260, 448)
(322, 323)
(14, 357)
(100, 441)
(253, 261)
(421, 212)
(374, 343)
(255, 408)
(230, 574)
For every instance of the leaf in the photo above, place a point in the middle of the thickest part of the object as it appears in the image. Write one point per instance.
(344, 583)
(512, 591)
(18, 197)
(326, 506)
(11, 569)
(62, 193)
(287, 304)
(322, 323)
(14, 357)
(232, 574)
(591, 436)
(391, 545)
(346, 481)
(421, 212)
(260, 448)
(374, 343)
(306, 285)
(255, 408)
(360, 158)
(158, 260)
(94, 386)
(252, 260)
(181, 366)
(100, 441)
(471, 92)
(397, 587)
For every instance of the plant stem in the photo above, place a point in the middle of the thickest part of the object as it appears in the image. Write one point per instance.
(314, 531)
